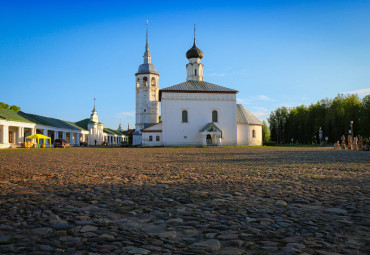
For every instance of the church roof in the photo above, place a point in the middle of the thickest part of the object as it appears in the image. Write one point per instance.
(197, 87)
(146, 68)
(243, 116)
(210, 127)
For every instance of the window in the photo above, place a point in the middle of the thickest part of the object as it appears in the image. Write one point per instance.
(150, 138)
(214, 116)
(138, 82)
(157, 138)
(254, 133)
(195, 72)
(153, 82)
(145, 81)
(184, 116)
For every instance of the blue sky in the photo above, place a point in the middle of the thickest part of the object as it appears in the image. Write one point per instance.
(56, 56)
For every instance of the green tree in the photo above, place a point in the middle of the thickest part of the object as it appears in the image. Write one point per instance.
(265, 132)
(15, 108)
(365, 117)
(4, 105)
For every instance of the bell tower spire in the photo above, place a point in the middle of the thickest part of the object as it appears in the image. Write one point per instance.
(147, 56)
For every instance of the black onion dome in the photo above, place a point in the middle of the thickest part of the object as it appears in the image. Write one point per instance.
(194, 52)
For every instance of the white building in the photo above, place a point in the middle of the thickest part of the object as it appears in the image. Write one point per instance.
(196, 112)
(15, 126)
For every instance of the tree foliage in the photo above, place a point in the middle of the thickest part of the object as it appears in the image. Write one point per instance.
(265, 132)
(333, 116)
(12, 107)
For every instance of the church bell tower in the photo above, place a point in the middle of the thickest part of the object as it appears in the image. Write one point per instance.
(147, 90)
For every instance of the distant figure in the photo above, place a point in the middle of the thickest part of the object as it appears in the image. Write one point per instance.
(337, 146)
(350, 145)
(95, 142)
(343, 145)
(360, 143)
(354, 144)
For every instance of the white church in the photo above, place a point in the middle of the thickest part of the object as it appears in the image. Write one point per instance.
(193, 113)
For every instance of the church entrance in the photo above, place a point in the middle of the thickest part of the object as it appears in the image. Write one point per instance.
(209, 139)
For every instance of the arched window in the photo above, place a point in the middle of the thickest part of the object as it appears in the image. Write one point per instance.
(195, 72)
(150, 138)
(184, 116)
(138, 82)
(254, 133)
(214, 116)
(153, 83)
(145, 81)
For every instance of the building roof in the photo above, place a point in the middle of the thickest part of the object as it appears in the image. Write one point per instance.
(112, 131)
(155, 128)
(48, 121)
(197, 87)
(38, 119)
(10, 115)
(146, 68)
(243, 116)
(210, 127)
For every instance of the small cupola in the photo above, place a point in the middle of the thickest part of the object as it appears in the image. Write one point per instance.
(194, 52)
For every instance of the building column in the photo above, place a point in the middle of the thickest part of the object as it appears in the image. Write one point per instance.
(64, 135)
(5, 135)
(77, 139)
(219, 140)
(56, 135)
(19, 135)
(71, 138)
(204, 140)
(33, 131)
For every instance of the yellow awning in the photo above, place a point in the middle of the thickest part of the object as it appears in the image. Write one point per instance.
(37, 136)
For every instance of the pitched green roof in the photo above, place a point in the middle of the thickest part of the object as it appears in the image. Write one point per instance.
(14, 116)
(38, 119)
(112, 131)
(82, 123)
(48, 121)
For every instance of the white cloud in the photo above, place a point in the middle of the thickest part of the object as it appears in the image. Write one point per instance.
(125, 115)
(217, 74)
(241, 101)
(264, 98)
(260, 114)
(360, 92)
(261, 109)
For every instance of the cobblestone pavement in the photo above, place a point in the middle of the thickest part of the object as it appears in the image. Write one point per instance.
(261, 200)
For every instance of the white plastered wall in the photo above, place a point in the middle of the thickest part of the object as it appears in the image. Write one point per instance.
(199, 107)
(245, 137)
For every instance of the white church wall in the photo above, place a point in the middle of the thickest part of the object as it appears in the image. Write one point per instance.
(245, 135)
(150, 139)
(199, 107)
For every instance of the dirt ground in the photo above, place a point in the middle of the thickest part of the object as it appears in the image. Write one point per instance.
(228, 200)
